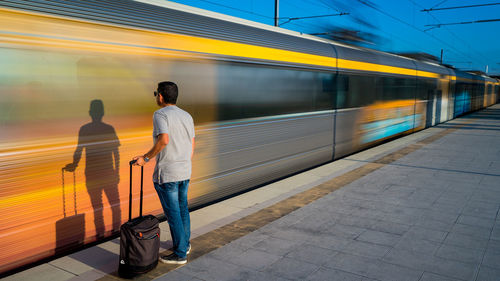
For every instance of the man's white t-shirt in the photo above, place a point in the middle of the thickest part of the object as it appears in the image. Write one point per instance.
(173, 163)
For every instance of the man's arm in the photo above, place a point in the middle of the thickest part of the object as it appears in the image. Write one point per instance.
(159, 145)
(192, 151)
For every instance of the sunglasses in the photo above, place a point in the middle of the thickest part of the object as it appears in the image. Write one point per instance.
(156, 93)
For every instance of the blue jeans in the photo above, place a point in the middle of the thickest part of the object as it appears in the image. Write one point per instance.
(173, 198)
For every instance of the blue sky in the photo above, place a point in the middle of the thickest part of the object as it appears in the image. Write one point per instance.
(399, 26)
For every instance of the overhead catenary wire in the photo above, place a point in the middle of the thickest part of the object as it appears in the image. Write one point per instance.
(308, 25)
(401, 39)
(409, 43)
(311, 26)
(440, 3)
(438, 25)
(264, 16)
(236, 9)
(314, 4)
(311, 17)
(301, 9)
(449, 31)
(303, 26)
(459, 7)
(328, 4)
(414, 27)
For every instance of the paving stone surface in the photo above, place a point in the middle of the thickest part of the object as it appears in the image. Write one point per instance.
(429, 215)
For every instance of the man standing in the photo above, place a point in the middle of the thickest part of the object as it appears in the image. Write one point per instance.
(173, 134)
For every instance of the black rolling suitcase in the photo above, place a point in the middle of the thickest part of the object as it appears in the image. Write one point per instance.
(139, 240)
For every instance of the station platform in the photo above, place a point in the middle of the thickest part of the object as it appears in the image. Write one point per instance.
(422, 207)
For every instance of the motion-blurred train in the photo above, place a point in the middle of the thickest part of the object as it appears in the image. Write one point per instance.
(76, 91)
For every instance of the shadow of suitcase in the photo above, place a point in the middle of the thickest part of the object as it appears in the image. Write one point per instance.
(70, 230)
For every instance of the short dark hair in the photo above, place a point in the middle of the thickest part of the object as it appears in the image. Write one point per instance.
(168, 90)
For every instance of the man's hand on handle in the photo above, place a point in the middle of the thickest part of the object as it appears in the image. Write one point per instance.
(138, 161)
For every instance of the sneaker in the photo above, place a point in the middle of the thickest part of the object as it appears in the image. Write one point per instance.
(173, 259)
(188, 250)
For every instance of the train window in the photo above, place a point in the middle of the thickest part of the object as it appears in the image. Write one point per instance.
(396, 88)
(342, 91)
(355, 90)
(246, 90)
(361, 90)
(424, 86)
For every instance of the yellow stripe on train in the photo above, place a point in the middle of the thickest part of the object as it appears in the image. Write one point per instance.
(17, 27)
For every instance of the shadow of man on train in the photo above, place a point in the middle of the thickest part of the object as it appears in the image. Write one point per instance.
(102, 165)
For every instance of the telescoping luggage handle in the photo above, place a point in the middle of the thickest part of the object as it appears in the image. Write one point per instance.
(130, 194)
(64, 195)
